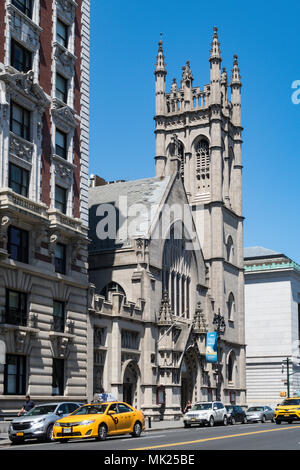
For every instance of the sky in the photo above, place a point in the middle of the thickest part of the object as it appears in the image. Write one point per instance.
(264, 35)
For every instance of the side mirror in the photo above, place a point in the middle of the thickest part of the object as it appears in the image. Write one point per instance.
(111, 412)
(59, 412)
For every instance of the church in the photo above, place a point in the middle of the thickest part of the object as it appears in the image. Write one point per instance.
(166, 255)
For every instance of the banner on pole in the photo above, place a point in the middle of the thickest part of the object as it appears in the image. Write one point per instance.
(211, 347)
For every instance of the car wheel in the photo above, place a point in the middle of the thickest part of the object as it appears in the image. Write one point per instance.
(49, 434)
(186, 425)
(263, 419)
(232, 420)
(137, 429)
(102, 432)
(278, 421)
(211, 422)
(225, 421)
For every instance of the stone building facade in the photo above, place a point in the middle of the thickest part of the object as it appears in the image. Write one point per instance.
(44, 123)
(272, 319)
(159, 285)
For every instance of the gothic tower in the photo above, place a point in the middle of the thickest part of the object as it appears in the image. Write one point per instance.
(198, 134)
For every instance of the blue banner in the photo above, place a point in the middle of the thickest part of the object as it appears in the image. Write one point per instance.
(211, 347)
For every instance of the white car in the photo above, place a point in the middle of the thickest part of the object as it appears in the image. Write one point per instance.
(206, 413)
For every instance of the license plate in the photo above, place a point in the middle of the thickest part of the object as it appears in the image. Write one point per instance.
(20, 434)
(67, 430)
(286, 415)
(193, 419)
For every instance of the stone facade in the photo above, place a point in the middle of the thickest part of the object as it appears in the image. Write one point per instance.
(44, 53)
(159, 293)
(272, 318)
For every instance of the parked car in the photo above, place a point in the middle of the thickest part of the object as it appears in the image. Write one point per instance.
(38, 422)
(206, 413)
(236, 414)
(288, 410)
(260, 413)
(100, 420)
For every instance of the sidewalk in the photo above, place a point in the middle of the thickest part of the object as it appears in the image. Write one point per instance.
(155, 426)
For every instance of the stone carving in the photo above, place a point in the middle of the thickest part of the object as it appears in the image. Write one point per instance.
(20, 148)
(24, 28)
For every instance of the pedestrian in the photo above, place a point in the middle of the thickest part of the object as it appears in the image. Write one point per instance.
(27, 405)
(188, 406)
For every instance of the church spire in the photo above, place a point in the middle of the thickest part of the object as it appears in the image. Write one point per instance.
(160, 80)
(160, 66)
(215, 68)
(236, 85)
(215, 52)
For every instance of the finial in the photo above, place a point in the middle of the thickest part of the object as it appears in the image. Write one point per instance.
(160, 64)
(215, 51)
(236, 77)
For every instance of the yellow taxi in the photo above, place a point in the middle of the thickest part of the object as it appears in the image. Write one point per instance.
(100, 420)
(288, 410)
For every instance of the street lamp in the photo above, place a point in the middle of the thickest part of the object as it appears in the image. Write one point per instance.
(220, 326)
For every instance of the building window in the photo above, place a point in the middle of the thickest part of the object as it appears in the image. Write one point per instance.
(203, 163)
(60, 199)
(17, 245)
(18, 179)
(25, 6)
(231, 307)
(129, 339)
(61, 88)
(62, 33)
(58, 377)
(58, 316)
(20, 121)
(60, 258)
(14, 375)
(231, 367)
(110, 288)
(16, 308)
(20, 57)
(61, 144)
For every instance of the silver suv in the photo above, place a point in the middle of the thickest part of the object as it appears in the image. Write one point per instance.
(38, 422)
(208, 413)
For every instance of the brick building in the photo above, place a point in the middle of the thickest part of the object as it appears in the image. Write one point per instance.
(44, 143)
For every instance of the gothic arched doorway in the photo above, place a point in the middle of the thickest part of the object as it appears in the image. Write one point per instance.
(131, 383)
(189, 377)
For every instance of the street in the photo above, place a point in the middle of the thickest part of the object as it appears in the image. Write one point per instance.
(256, 436)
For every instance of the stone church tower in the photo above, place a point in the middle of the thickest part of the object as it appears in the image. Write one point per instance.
(199, 132)
(155, 297)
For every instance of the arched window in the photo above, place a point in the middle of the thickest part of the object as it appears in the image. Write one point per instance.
(176, 148)
(176, 275)
(110, 288)
(230, 367)
(229, 249)
(203, 164)
(231, 307)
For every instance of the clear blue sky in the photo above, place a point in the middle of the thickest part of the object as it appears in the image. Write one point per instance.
(265, 35)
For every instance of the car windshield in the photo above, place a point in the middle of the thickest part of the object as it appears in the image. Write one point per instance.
(90, 410)
(41, 410)
(256, 408)
(202, 406)
(292, 401)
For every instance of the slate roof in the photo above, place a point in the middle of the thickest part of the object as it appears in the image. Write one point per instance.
(259, 252)
(148, 191)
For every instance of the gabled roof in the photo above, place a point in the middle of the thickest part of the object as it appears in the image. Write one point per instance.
(125, 196)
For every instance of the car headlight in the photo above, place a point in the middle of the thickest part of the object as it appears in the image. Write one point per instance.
(39, 422)
(86, 422)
